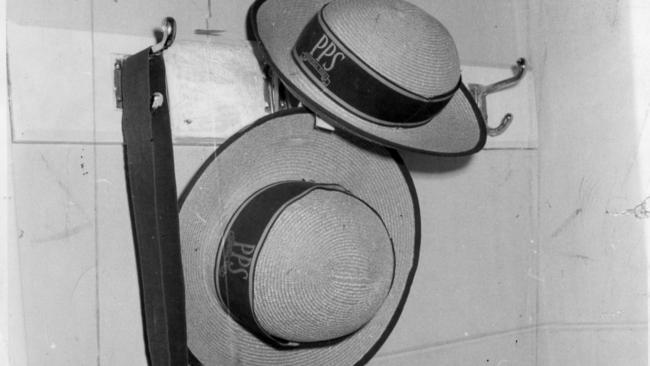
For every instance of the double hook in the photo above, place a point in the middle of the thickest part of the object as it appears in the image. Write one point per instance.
(278, 98)
(479, 92)
(276, 95)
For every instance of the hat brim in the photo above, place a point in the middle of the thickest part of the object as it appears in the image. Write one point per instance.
(287, 146)
(458, 129)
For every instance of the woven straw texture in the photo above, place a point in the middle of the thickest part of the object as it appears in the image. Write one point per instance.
(324, 270)
(408, 46)
(426, 63)
(288, 148)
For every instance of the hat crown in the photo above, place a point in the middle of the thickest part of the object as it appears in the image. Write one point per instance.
(324, 270)
(398, 40)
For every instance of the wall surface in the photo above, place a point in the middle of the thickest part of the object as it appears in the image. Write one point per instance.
(591, 60)
(526, 256)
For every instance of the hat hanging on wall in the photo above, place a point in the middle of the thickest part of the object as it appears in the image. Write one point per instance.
(382, 69)
(299, 246)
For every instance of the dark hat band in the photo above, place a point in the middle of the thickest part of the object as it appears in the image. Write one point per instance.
(355, 86)
(241, 243)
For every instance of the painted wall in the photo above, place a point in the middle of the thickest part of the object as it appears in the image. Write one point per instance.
(473, 299)
(591, 60)
(525, 260)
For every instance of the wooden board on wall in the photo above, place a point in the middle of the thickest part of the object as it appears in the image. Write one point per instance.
(70, 96)
(215, 88)
(67, 95)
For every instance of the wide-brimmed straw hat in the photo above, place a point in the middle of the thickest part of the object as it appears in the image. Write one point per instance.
(299, 246)
(382, 69)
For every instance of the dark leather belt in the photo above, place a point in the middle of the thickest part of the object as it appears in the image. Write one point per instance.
(153, 204)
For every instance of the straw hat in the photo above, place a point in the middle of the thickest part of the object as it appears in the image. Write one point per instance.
(382, 69)
(299, 246)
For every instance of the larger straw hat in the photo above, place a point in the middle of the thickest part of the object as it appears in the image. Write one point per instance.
(299, 246)
(382, 69)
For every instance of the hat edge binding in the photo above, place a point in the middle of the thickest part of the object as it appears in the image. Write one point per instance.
(372, 351)
(390, 324)
(230, 140)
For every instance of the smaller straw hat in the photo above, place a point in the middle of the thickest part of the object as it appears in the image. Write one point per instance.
(382, 69)
(299, 246)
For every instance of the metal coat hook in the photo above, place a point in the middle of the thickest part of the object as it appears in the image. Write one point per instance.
(479, 92)
(168, 29)
(276, 95)
(272, 91)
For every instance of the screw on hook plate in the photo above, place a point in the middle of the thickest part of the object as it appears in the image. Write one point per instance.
(479, 92)
(157, 101)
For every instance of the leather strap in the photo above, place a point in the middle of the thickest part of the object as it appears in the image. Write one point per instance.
(154, 210)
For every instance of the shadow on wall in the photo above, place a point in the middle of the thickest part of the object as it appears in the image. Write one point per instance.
(434, 164)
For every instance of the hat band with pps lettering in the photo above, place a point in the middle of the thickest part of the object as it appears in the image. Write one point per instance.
(242, 241)
(355, 86)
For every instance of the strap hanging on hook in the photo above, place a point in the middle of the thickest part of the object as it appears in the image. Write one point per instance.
(479, 92)
(168, 29)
